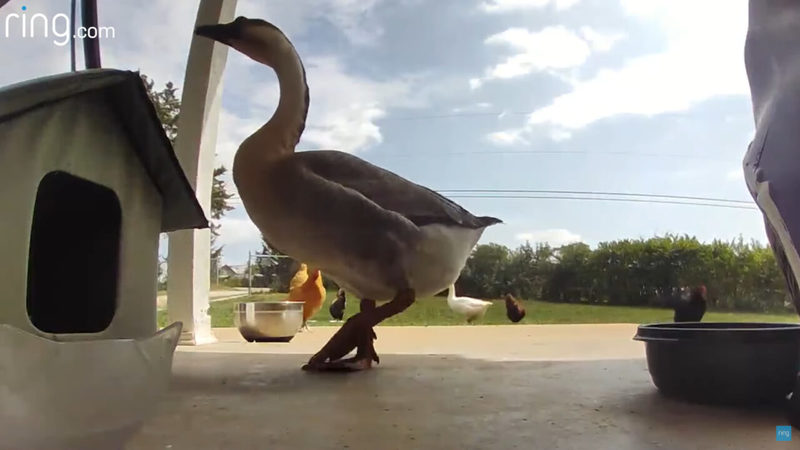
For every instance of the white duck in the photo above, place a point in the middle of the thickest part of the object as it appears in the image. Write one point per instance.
(471, 308)
(398, 240)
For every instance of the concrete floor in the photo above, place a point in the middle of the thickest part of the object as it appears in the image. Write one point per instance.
(599, 395)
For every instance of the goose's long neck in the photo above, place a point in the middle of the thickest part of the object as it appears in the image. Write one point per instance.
(280, 135)
(451, 294)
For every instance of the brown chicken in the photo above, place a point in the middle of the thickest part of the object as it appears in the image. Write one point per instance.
(514, 309)
(311, 293)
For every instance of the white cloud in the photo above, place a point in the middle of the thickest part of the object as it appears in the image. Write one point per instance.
(237, 231)
(345, 107)
(351, 17)
(599, 41)
(347, 129)
(559, 135)
(553, 47)
(158, 48)
(695, 66)
(343, 111)
(510, 137)
(232, 130)
(555, 237)
(504, 6)
(165, 59)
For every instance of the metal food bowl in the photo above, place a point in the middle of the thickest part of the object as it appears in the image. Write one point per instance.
(268, 321)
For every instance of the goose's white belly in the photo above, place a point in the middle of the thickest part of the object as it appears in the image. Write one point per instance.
(435, 264)
(440, 257)
(469, 308)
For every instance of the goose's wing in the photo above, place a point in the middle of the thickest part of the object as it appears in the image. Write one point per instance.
(420, 205)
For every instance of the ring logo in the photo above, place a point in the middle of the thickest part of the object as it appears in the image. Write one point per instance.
(58, 26)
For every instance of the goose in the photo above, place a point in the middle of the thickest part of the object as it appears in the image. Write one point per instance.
(471, 308)
(397, 240)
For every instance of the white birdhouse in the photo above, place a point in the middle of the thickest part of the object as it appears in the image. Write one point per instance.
(88, 180)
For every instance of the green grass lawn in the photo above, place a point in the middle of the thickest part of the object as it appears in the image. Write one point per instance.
(213, 287)
(434, 311)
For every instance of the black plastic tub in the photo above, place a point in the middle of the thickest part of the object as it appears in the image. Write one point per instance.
(723, 363)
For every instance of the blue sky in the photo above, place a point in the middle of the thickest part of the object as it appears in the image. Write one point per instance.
(645, 96)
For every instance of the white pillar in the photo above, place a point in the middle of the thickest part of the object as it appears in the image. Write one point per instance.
(189, 250)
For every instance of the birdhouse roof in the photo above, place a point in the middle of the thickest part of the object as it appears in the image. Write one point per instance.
(126, 95)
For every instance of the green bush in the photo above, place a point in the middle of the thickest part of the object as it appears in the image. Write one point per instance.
(739, 276)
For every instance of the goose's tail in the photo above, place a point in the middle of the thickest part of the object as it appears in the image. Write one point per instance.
(487, 221)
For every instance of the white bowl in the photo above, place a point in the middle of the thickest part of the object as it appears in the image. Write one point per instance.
(80, 394)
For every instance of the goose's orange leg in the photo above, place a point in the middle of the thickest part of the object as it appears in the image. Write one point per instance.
(357, 333)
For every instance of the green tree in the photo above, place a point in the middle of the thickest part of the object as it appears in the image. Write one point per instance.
(220, 198)
(528, 270)
(569, 279)
(484, 272)
(168, 106)
(275, 272)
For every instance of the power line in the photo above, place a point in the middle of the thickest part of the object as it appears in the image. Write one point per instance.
(593, 196)
(455, 114)
(606, 199)
(412, 155)
(627, 194)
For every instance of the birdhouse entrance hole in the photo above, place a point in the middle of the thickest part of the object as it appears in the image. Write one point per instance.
(74, 255)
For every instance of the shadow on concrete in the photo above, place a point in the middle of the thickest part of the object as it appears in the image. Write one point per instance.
(266, 401)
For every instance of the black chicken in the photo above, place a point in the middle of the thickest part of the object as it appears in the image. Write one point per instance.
(514, 309)
(337, 306)
(694, 309)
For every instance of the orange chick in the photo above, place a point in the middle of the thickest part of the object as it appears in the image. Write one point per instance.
(311, 293)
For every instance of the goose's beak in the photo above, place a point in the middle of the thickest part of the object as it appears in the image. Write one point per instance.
(223, 33)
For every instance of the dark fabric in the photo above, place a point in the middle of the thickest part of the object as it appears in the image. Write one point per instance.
(772, 162)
